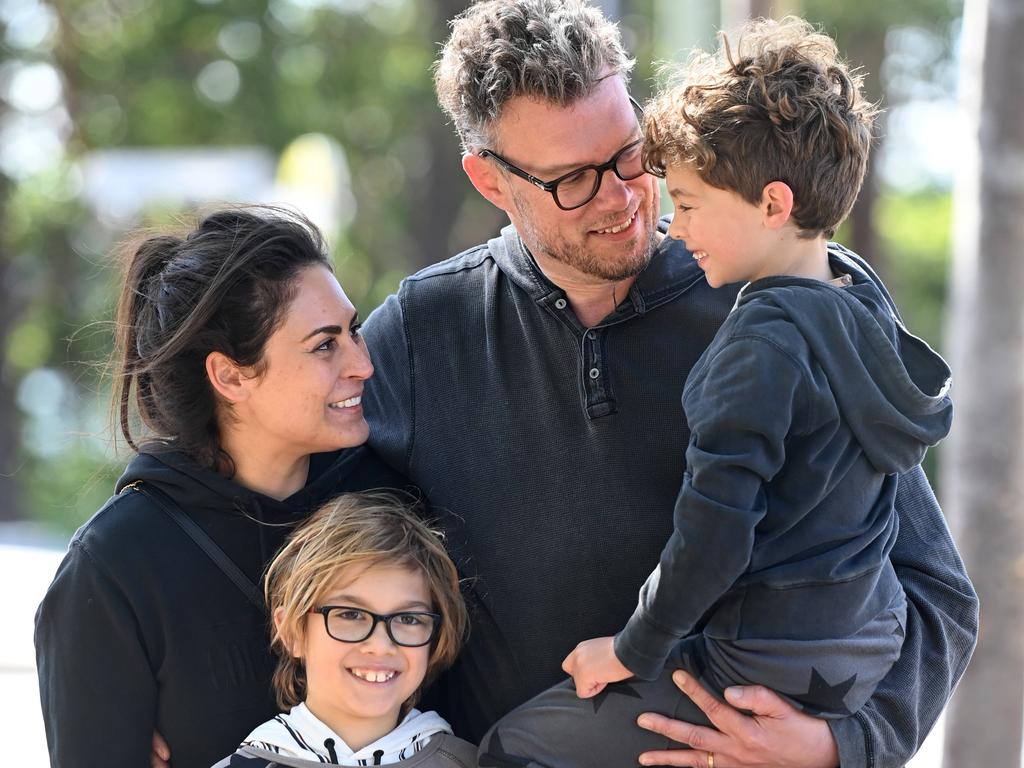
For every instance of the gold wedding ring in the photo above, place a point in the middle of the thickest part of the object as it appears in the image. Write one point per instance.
(711, 760)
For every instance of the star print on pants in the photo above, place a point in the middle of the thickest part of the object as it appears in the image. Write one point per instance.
(827, 698)
(620, 689)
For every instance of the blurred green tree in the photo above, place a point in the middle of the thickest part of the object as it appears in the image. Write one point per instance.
(179, 73)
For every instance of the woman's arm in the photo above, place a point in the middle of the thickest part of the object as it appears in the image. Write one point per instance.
(96, 687)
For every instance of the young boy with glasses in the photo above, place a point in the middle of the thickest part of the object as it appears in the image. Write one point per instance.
(366, 607)
(809, 400)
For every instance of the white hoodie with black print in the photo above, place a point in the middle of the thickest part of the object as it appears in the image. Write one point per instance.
(299, 738)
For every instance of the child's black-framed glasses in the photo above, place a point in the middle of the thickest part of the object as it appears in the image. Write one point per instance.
(349, 624)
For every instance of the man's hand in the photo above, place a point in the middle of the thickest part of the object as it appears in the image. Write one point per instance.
(593, 664)
(160, 757)
(776, 735)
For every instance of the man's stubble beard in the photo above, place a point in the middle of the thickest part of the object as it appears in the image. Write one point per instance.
(632, 259)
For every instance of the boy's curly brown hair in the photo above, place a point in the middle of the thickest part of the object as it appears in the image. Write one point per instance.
(779, 106)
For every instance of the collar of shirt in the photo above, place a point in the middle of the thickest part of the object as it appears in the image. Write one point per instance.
(670, 272)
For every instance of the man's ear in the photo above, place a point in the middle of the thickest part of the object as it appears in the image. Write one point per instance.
(230, 381)
(485, 177)
(776, 204)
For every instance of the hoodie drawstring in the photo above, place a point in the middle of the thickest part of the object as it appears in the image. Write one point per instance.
(329, 745)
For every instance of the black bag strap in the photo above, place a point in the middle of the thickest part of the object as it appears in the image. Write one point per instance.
(203, 540)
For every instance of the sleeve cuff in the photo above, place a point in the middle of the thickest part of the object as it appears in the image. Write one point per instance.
(852, 742)
(643, 648)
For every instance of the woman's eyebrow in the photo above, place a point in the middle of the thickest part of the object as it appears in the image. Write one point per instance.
(332, 330)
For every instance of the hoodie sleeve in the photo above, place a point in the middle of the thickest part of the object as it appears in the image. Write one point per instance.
(96, 687)
(942, 628)
(388, 393)
(740, 407)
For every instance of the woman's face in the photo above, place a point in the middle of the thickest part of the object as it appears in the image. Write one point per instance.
(307, 399)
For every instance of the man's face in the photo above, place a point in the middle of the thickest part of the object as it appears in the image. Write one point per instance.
(609, 238)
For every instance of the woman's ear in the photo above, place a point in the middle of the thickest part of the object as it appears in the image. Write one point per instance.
(293, 644)
(228, 379)
(776, 204)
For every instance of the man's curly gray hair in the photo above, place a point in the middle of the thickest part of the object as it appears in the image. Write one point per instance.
(555, 50)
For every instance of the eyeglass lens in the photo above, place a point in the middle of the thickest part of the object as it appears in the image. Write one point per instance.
(353, 625)
(579, 188)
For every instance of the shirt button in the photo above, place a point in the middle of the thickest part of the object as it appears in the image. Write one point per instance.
(560, 303)
(591, 335)
(594, 373)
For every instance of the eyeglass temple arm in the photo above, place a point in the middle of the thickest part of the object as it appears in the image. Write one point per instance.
(539, 183)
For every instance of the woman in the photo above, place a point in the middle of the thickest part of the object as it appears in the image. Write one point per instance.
(243, 358)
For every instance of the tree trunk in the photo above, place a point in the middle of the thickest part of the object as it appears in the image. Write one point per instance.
(869, 48)
(984, 470)
(436, 207)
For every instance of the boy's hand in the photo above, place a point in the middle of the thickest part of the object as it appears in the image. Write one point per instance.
(593, 664)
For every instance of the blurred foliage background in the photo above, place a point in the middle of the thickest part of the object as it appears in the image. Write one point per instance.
(116, 114)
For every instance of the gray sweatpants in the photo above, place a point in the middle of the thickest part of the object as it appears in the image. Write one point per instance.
(557, 729)
(828, 678)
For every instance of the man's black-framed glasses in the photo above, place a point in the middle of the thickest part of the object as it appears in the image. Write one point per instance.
(353, 625)
(579, 186)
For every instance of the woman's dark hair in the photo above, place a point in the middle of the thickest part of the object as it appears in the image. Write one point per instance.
(222, 287)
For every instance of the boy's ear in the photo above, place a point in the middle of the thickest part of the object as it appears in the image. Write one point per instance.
(230, 380)
(776, 204)
(293, 644)
(485, 177)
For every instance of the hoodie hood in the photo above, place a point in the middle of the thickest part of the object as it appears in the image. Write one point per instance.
(890, 386)
(301, 734)
(194, 486)
(247, 525)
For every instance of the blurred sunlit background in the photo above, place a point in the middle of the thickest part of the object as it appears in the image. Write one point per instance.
(116, 114)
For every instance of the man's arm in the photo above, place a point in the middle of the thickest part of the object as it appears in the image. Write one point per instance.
(942, 628)
(388, 395)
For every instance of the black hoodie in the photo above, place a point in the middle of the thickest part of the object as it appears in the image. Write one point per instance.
(141, 630)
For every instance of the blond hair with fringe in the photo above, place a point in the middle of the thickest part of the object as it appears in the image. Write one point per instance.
(357, 529)
(779, 105)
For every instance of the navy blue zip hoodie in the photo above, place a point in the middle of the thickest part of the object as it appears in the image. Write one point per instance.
(807, 402)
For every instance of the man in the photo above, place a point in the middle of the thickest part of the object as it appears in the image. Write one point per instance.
(531, 386)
